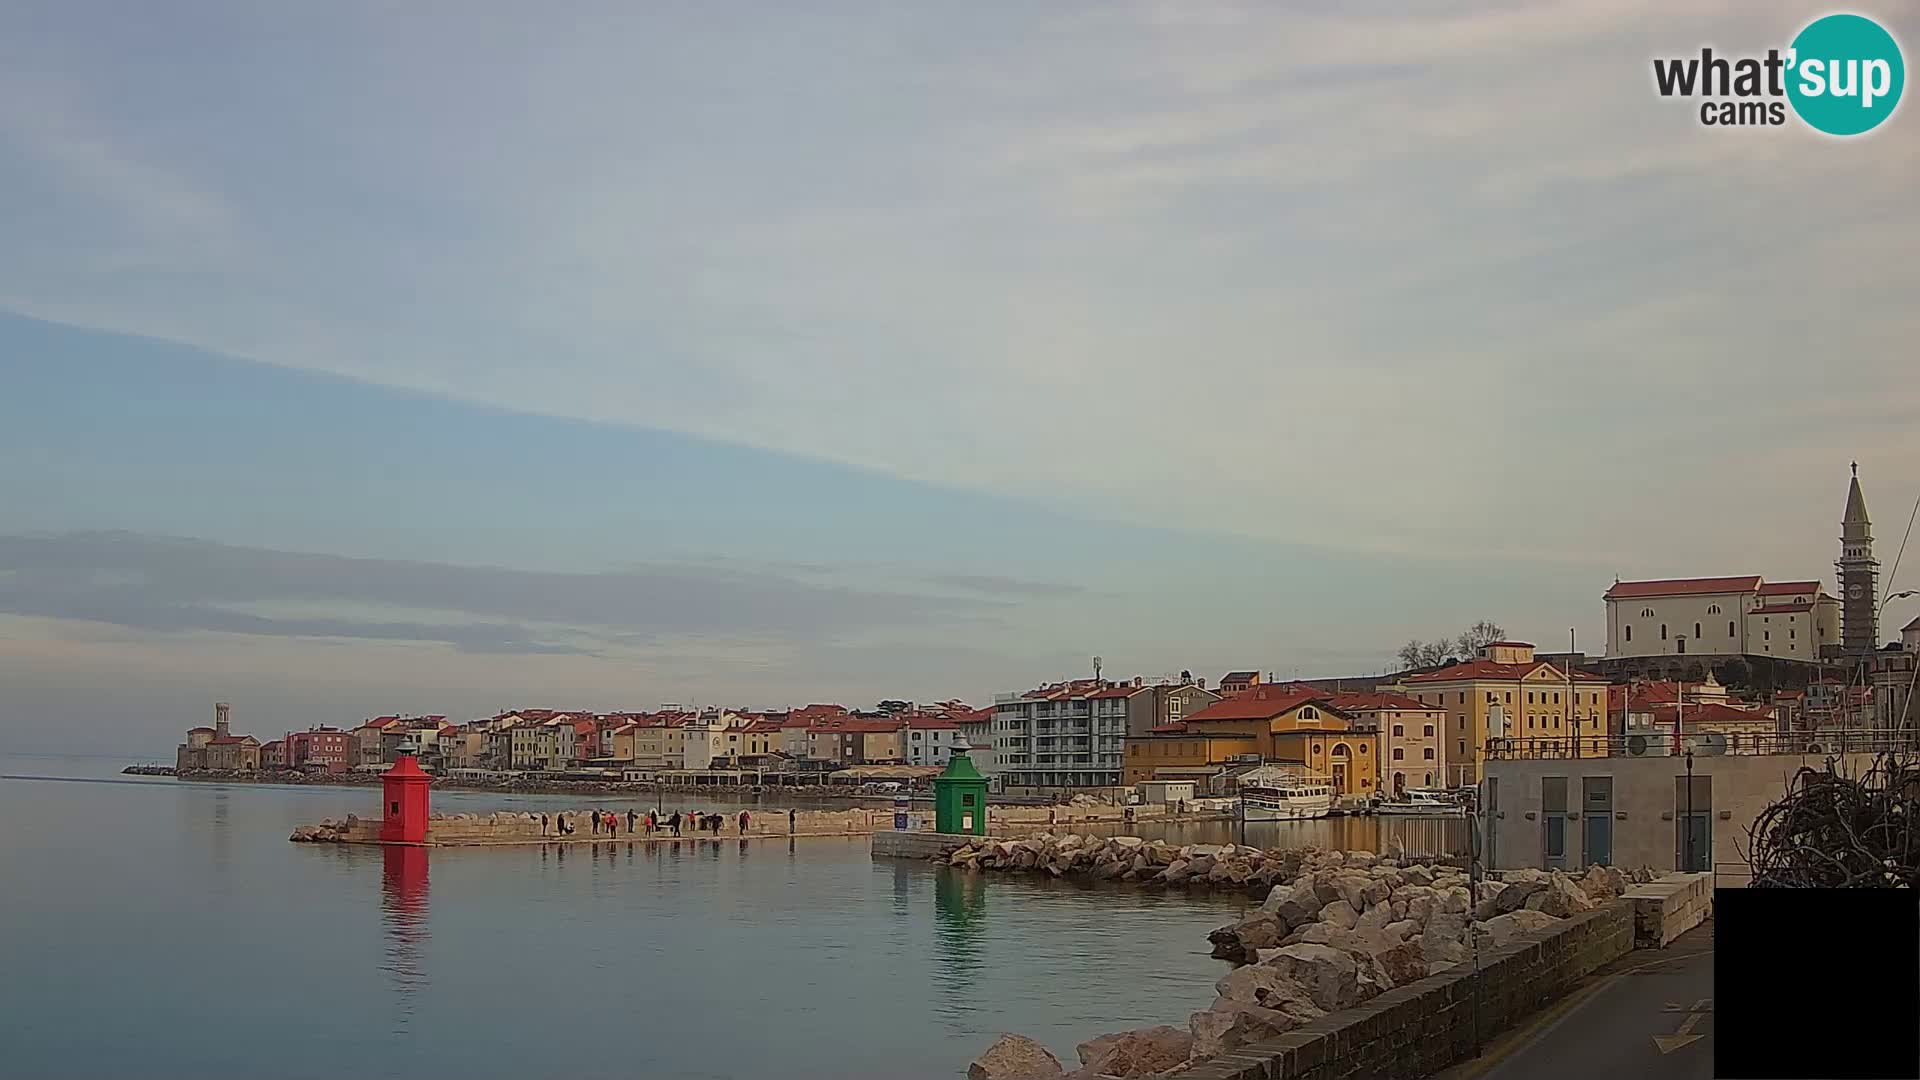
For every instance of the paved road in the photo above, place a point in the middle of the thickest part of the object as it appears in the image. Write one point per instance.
(1648, 1016)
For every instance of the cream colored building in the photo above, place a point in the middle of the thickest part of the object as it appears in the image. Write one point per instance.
(1727, 616)
(1506, 693)
(1413, 747)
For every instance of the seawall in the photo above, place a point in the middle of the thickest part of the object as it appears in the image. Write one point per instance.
(477, 830)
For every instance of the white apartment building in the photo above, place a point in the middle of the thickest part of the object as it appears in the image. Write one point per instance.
(931, 741)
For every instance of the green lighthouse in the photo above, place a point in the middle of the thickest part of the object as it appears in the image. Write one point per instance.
(960, 798)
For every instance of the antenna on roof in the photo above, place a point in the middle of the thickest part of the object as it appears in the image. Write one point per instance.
(1096, 669)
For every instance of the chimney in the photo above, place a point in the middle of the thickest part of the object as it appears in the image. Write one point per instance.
(221, 711)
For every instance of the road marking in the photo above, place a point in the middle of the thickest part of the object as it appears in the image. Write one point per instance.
(1703, 1005)
(1685, 1036)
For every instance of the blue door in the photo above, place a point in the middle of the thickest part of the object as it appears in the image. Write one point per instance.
(1596, 816)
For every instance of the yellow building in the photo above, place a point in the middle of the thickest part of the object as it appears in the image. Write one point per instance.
(1506, 693)
(1262, 724)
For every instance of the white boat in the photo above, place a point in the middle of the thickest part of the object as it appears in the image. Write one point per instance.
(1285, 797)
(1420, 802)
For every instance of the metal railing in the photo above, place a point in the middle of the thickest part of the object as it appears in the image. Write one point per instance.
(1705, 744)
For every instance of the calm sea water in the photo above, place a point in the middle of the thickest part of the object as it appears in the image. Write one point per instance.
(169, 929)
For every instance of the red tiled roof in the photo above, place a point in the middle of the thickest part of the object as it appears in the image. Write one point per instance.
(1487, 669)
(229, 740)
(1382, 700)
(858, 725)
(1118, 692)
(1508, 645)
(1260, 703)
(1914, 625)
(1788, 588)
(1666, 714)
(932, 723)
(763, 727)
(1623, 590)
(1240, 676)
(1174, 728)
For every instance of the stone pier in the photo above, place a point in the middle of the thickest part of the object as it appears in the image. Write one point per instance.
(495, 829)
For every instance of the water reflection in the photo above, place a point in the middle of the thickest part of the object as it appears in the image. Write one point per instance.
(959, 921)
(403, 908)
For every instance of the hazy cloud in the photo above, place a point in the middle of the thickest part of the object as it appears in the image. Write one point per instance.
(996, 585)
(171, 584)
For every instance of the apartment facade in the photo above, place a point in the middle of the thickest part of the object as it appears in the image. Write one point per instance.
(1506, 693)
(1412, 747)
(1723, 616)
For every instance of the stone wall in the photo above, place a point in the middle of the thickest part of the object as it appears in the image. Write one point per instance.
(1427, 1025)
(1669, 907)
(892, 844)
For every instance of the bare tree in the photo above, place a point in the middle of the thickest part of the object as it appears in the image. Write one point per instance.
(1478, 636)
(1426, 654)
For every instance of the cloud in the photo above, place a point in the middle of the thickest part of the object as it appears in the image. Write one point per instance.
(1004, 586)
(170, 585)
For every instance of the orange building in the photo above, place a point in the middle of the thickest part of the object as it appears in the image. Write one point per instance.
(1291, 724)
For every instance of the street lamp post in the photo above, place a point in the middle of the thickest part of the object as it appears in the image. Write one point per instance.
(1686, 827)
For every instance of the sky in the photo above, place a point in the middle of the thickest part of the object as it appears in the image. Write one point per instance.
(446, 358)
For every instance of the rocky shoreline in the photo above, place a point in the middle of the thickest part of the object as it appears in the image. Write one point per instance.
(1336, 929)
(1148, 862)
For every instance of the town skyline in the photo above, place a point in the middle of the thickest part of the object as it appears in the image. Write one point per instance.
(429, 373)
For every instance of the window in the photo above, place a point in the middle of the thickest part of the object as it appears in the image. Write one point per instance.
(1696, 630)
(1399, 754)
(1463, 748)
(1529, 697)
(1646, 613)
(1401, 729)
(1556, 699)
(1509, 697)
(1463, 699)
(1766, 635)
(1792, 634)
(1713, 609)
(1663, 631)
(1429, 731)
(1309, 713)
(1729, 627)
(1800, 600)
(1629, 633)
(1427, 753)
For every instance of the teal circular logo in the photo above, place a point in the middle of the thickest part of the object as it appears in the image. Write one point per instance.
(1845, 74)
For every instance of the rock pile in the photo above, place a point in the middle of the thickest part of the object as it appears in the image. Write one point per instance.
(1336, 929)
(1129, 858)
(328, 831)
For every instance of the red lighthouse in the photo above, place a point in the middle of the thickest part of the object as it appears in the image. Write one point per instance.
(404, 791)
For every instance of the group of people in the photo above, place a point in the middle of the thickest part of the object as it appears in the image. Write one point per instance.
(608, 822)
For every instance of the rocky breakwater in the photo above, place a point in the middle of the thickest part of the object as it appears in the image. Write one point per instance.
(1130, 858)
(329, 831)
(1343, 928)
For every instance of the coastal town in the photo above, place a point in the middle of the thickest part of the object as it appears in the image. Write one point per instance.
(1714, 668)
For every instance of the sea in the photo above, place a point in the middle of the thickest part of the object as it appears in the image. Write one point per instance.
(166, 928)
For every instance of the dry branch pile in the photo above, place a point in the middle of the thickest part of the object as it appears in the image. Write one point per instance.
(1835, 831)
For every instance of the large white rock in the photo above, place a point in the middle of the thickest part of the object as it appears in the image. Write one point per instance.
(1505, 928)
(1341, 914)
(1145, 1052)
(1560, 898)
(1329, 976)
(1015, 1057)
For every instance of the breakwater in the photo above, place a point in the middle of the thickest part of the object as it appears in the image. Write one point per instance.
(1155, 863)
(1356, 965)
(783, 793)
(576, 826)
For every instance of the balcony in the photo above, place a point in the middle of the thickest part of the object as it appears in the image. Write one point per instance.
(1705, 744)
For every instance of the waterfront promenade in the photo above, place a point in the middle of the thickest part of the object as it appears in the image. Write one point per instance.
(1645, 1015)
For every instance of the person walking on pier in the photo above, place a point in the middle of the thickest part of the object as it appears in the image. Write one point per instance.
(673, 823)
(743, 823)
(596, 822)
(543, 824)
(631, 818)
(792, 818)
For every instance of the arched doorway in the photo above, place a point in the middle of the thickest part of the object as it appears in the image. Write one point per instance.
(1342, 765)
(1399, 783)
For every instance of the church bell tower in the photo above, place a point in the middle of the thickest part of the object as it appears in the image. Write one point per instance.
(1859, 574)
